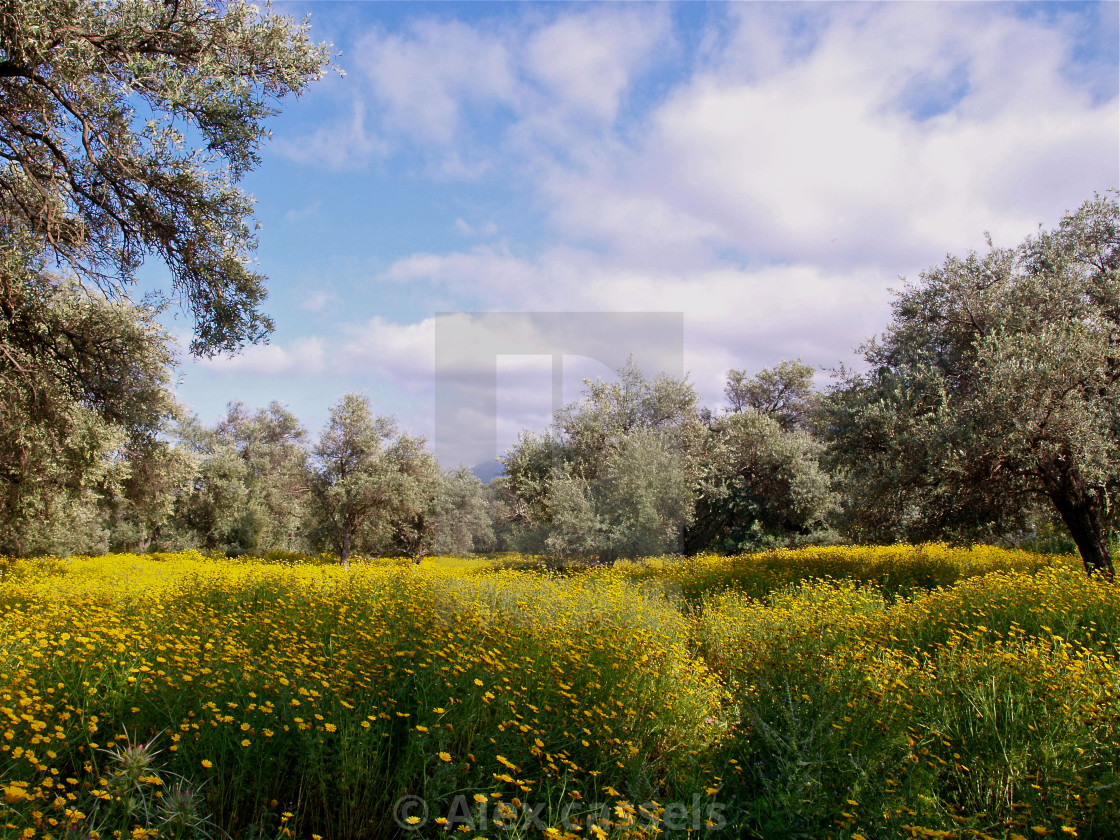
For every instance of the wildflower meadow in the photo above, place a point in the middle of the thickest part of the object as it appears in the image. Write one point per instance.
(847, 693)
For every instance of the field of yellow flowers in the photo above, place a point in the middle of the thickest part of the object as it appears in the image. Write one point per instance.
(851, 693)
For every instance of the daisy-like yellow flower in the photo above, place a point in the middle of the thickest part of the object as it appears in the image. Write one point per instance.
(444, 756)
(207, 763)
(13, 794)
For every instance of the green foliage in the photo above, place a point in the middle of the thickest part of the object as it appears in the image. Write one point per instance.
(896, 571)
(216, 511)
(598, 424)
(974, 707)
(141, 512)
(274, 448)
(996, 386)
(124, 128)
(759, 485)
(82, 378)
(373, 484)
(460, 515)
(917, 691)
(643, 495)
(784, 392)
(415, 486)
(612, 477)
(98, 100)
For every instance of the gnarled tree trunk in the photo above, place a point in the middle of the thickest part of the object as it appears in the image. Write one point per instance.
(1081, 511)
(344, 552)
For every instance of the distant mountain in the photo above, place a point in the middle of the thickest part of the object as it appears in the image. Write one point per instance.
(487, 471)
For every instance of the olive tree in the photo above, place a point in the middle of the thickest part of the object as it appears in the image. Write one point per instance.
(784, 392)
(461, 517)
(611, 477)
(124, 128)
(216, 509)
(275, 450)
(83, 379)
(758, 485)
(374, 485)
(996, 385)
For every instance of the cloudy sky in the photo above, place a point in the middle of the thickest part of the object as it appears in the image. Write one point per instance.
(766, 171)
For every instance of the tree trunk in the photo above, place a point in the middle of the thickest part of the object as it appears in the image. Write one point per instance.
(608, 557)
(344, 554)
(1081, 514)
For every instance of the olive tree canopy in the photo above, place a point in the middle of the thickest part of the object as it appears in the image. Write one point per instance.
(996, 385)
(124, 127)
(611, 477)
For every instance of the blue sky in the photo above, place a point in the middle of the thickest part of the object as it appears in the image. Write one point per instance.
(768, 170)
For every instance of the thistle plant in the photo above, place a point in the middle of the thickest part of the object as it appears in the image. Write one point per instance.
(136, 795)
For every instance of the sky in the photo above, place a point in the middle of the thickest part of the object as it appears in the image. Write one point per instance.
(742, 183)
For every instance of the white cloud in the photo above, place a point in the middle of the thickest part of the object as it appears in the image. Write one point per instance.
(317, 300)
(771, 193)
(305, 357)
(346, 145)
(734, 317)
(538, 79)
(483, 229)
(586, 62)
(423, 79)
(821, 156)
(404, 353)
(491, 273)
(298, 214)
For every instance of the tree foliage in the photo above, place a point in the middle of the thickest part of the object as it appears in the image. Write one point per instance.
(462, 519)
(124, 127)
(374, 485)
(760, 485)
(610, 478)
(142, 507)
(274, 448)
(784, 392)
(217, 508)
(997, 384)
(81, 378)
